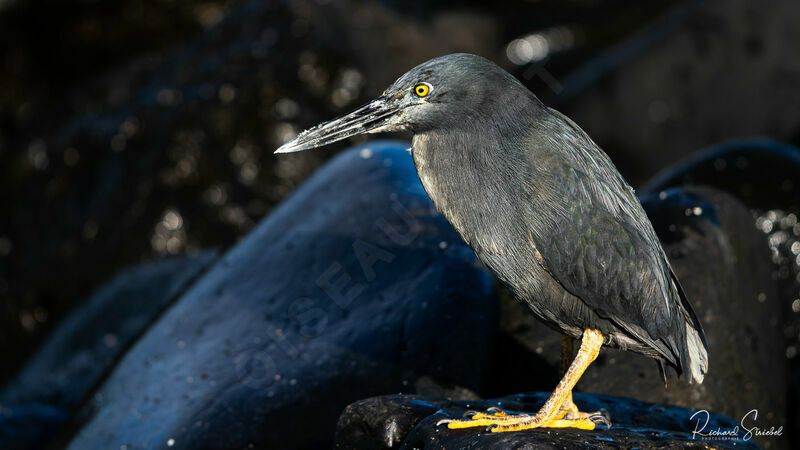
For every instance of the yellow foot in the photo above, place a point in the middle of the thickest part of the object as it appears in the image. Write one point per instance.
(558, 411)
(498, 420)
(570, 411)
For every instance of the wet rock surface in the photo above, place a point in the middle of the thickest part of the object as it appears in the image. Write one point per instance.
(87, 344)
(408, 421)
(353, 287)
(89, 341)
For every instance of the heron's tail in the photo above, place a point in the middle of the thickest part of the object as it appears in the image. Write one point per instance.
(698, 355)
(694, 357)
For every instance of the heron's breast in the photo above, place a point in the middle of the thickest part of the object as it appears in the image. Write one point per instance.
(469, 197)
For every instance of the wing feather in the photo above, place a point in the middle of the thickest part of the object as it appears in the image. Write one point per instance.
(597, 241)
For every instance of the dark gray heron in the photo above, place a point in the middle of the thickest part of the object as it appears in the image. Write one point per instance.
(546, 210)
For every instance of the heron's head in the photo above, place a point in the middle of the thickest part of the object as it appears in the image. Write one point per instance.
(450, 91)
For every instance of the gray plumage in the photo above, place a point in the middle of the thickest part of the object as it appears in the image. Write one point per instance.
(540, 203)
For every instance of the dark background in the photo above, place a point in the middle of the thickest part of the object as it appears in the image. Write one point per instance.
(132, 129)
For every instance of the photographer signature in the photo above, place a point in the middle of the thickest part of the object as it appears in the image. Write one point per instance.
(746, 425)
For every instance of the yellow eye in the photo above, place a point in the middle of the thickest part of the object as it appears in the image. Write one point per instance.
(422, 90)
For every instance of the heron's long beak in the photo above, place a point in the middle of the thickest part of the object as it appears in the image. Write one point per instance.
(381, 113)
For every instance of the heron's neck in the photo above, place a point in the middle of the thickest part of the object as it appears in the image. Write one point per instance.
(469, 170)
(485, 144)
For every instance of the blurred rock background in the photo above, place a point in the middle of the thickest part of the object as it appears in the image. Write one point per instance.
(131, 129)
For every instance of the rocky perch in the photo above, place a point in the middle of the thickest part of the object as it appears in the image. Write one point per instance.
(409, 421)
(356, 287)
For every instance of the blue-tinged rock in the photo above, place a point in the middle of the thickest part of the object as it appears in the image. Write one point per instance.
(761, 172)
(31, 425)
(354, 286)
(86, 344)
(409, 422)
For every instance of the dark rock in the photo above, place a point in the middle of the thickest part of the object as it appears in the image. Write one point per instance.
(29, 426)
(701, 84)
(724, 266)
(83, 348)
(406, 421)
(762, 173)
(88, 341)
(382, 422)
(353, 287)
(765, 175)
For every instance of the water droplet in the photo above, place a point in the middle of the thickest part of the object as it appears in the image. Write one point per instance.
(341, 97)
(71, 157)
(742, 162)
(172, 220)
(37, 155)
(5, 245)
(226, 93)
(168, 97)
(286, 108)
(110, 340)
(90, 230)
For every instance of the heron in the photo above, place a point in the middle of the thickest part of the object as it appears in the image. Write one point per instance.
(546, 210)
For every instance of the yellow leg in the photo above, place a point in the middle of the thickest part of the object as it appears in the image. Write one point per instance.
(569, 410)
(550, 415)
(567, 355)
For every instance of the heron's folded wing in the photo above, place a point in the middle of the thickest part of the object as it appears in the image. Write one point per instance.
(595, 238)
(599, 254)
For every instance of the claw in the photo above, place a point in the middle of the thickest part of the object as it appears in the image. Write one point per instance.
(497, 411)
(601, 417)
